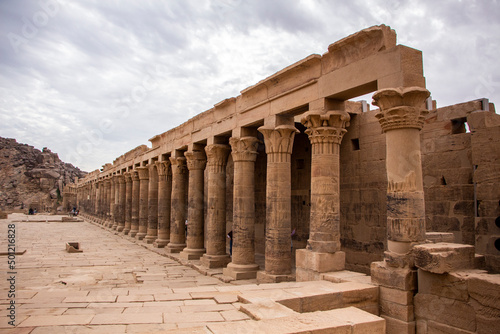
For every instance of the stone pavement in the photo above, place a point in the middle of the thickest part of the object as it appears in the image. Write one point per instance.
(119, 286)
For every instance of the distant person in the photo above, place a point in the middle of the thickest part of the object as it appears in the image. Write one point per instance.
(230, 236)
(291, 238)
(30, 211)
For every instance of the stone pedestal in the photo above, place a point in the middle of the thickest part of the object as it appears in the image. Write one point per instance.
(134, 220)
(178, 208)
(196, 162)
(120, 207)
(164, 202)
(127, 209)
(401, 117)
(216, 256)
(152, 231)
(244, 153)
(325, 130)
(278, 259)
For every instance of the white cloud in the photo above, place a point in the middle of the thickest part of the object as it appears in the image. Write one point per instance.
(102, 77)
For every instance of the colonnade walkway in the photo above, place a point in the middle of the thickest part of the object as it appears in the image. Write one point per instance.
(116, 285)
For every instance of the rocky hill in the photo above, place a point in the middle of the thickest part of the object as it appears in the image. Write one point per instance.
(30, 178)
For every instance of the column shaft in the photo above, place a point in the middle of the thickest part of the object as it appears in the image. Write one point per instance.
(128, 203)
(143, 202)
(244, 152)
(136, 194)
(111, 203)
(152, 231)
(196, 162)
(164, 202)
(216, 256)
(120, 210)
(178, 208)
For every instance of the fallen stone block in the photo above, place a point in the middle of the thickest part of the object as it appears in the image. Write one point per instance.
(73, 247)
(443, 258)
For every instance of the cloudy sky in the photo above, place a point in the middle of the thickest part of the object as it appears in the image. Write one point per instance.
(92, 79)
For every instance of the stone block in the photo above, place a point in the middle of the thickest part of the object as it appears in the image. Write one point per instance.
(395, 326)
(443, 258)
(452, 285)
(434, 327)
(396, 296)
(320, 262)
(263, 277)
(266, 309)
(399, 278)
(440, 236)
(485, 289)
(239, 272)
(215, 261)
(397, 311)
(447, 311)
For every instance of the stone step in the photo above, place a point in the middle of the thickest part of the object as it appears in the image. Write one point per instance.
(343, 320)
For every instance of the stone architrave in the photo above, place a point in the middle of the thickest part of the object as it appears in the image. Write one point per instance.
(244, 153)
(119, 209)
(278, 259)
(164, 202)
(143, 201)
(127, 209)
(401, 116)
(152, 230)
(322, 254)
(136, 194)
(216, 256)
(196, 163)
(178, 207)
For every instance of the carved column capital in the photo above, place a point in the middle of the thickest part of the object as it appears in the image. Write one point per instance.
(128, 177)
(119, 179)
(401, 108)
(244, 148)
(134, 175)
(195, 160)
(163, 168)
(279, 142)
(217, 155)
(143, 173)
(325, 129)
(178, 165)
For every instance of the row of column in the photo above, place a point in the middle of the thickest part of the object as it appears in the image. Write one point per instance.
(150, 202)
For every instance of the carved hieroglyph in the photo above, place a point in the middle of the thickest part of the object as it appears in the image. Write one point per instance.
(401, 116)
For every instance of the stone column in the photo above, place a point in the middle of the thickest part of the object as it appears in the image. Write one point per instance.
(196, 162)
(216, 256)
(134, 218)
(178, 208)
(120, 209)
(401, 116)
(152, 231)
(115, 202)
(98, 193)
(244, 153)
(143, 202)
(111, 202)
(322, 254)
(164, 202)
(278, 260)
(107, 203)
(128, 203)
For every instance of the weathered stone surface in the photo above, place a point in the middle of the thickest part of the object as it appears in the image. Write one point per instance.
(450, 285)
(446, 311)
(444, 257)
(399, 278)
